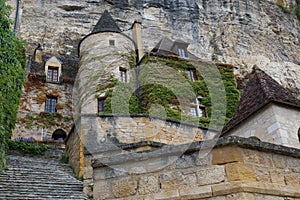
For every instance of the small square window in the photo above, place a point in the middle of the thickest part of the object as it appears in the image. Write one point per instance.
(52, 75)
(50, 105)
(111, 43)
(193, 111)
(123, 75)
(101, 104)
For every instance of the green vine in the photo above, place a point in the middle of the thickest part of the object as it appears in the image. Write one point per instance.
(12, 73)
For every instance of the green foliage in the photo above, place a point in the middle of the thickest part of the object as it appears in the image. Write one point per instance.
(12, 73)
(27, 147)
(165, 82)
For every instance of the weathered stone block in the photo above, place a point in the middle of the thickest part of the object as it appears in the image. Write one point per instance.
(102, 190)
(148, 185)
(277, 177)
(124, 187)
(240, 171)
(169, 180)
(292, 179)
(211, 175)
(195, 192)
(226, 155)
(167, 194)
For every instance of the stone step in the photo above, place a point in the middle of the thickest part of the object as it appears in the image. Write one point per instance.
(39, 178)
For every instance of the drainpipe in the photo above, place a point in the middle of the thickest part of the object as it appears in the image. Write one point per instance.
(17, 17)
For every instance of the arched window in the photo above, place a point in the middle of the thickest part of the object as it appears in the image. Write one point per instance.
(59, 133)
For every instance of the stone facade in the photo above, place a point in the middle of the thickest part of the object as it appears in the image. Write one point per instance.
(274, 123)
(236, 168)
(33, 121)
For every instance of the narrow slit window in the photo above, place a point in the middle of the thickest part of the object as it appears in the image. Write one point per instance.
(101, 104)
(123, 75)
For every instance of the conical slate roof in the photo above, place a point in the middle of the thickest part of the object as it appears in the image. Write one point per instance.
(260, 90)
(106, 24)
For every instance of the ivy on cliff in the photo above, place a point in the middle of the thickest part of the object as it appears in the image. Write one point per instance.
(12, 62)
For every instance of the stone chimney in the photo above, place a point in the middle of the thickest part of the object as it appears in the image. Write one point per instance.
(137, 37)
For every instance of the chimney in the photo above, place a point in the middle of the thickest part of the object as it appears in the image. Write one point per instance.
(137, 38)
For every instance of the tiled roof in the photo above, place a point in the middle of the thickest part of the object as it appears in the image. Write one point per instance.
(165, 47)
(106, 24)
(260, 90)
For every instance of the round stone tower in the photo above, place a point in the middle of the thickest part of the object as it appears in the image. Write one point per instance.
(106, 57)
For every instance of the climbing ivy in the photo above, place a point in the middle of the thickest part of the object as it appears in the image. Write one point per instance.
(12, 62)
(166, 91)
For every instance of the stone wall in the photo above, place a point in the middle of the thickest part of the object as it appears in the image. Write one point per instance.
(237, 168)
(74, 151)
(137, 128)
(32, 119)
(275, 123)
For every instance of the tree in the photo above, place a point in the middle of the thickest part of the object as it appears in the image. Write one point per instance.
(12, 73)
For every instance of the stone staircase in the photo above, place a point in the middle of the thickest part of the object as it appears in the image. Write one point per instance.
(38, 178)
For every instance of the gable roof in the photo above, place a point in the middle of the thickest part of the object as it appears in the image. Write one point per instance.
(165, 47)
(260, 90)
(106, 24)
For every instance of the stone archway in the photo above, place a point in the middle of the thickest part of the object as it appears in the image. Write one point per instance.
(59, 133)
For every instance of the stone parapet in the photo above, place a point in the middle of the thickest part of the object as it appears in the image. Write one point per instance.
(236, 168)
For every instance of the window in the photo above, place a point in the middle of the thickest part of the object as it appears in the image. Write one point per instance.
(101, 104)
(193, 111)
(52, 74)
(111, 43)
(50, 106)
(196, 109)
(192, 74)
(123, 75)
(182, 53)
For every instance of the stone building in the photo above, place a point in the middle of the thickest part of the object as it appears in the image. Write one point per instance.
(119, 157)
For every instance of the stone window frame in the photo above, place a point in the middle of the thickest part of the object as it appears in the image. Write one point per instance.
(52, 63)
(123, 75)
(196, 108)
(50, 104)
(192, 75)
(53, 76)
(182, 52)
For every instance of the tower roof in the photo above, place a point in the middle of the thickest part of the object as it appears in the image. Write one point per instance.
(261, 89)
(106, 24)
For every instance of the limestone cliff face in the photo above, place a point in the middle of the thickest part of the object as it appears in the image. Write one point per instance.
(240, 32)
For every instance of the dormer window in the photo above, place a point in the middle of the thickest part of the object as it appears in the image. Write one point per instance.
(52, 75)
(182, 53)
(53, 69)
(123, 74)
